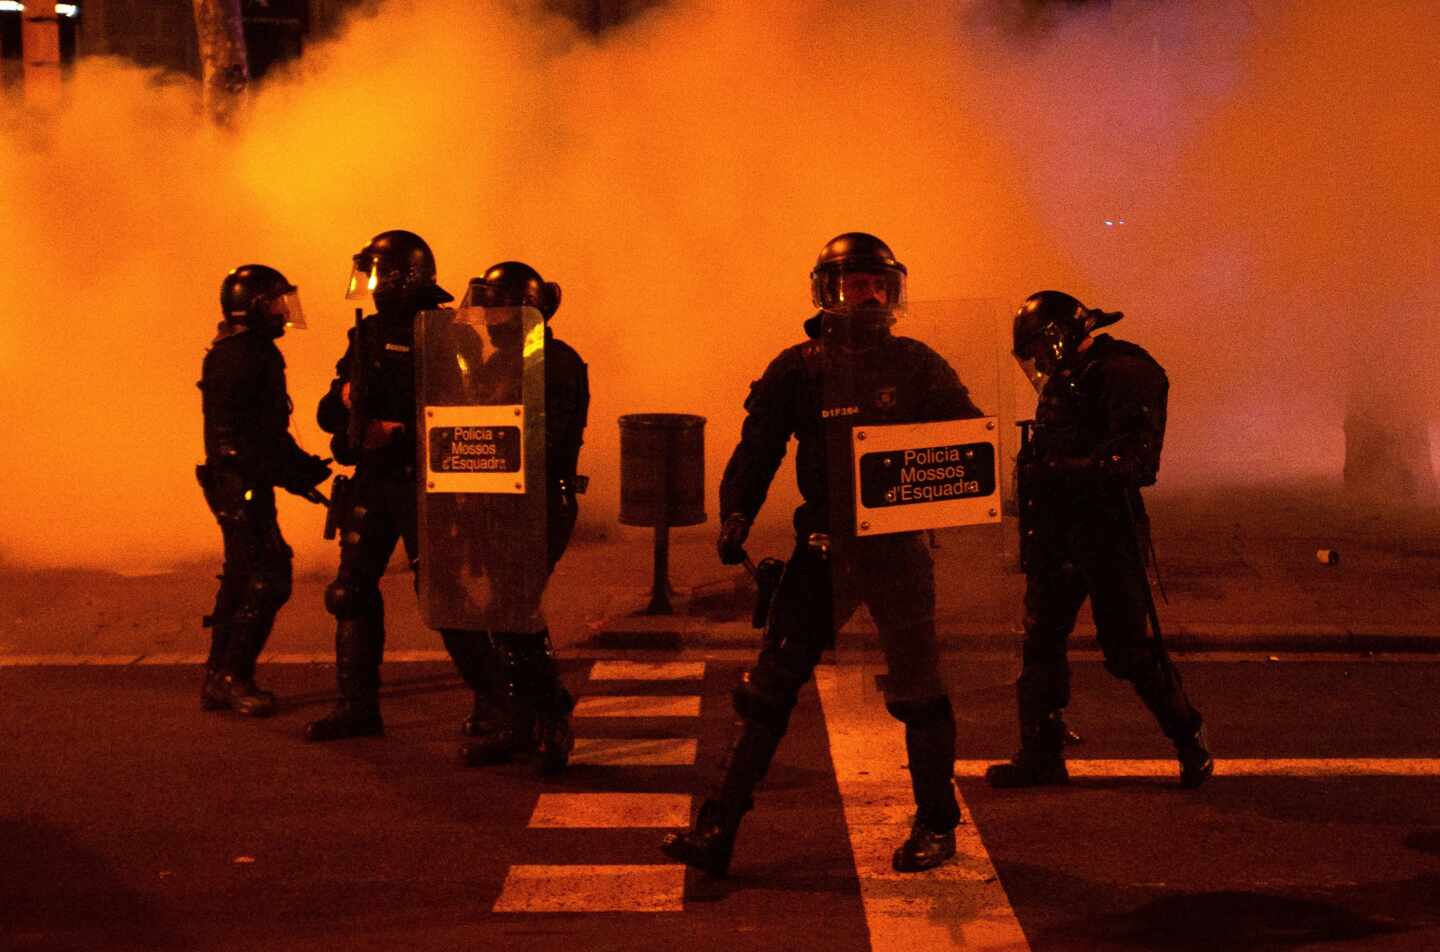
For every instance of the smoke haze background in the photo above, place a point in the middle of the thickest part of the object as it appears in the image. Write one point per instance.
(1275, 172)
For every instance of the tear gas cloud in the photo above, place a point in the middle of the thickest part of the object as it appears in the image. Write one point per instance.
(1274, 173)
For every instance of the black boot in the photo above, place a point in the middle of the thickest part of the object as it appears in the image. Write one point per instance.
(539, 703)
(1040, 760)
(930, 749)
(553, 737)
(219, 626)
(708, 844)
(210, 699)
(1196, 764)
(925, 849)
(239, 694)
(358, 646)
(348, 719)
(233, 686)
(493, 732)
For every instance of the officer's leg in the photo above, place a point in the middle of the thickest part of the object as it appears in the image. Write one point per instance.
(900, 593)
(801, 627)
(224, 494)
(1122, 628)
(1054, 593)
(218, 621)
(355, 601)
(553, 737)
(267, 590)
(491, 719)
(540, 703)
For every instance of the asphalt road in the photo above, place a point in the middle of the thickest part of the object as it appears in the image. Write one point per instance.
(130, 820)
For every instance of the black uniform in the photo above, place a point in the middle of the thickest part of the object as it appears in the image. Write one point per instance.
(899, 380)
(248, 452)
(567, 411)
(1099, 431)
(520, 701)
(382, 501)
(383, 509)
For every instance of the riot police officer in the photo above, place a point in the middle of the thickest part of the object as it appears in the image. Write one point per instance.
(520, 704)
(858, 286)
(370, 410)
(248, 452)
(1099, 429)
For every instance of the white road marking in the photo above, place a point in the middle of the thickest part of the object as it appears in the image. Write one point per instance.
(647, 671)
(593, 889)
(300, 657)
(67, 660)
(611, 811)
(1241, 767)
(961, 904)
(173, 657)
(431, 654)
(603, 705)
(613, 752)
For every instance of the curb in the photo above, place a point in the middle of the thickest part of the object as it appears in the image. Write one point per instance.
(676, 633)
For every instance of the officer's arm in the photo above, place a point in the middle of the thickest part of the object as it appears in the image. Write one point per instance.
(764, 435)
(228, 399)
(1134, 394)
(332, 414)
(566, 419)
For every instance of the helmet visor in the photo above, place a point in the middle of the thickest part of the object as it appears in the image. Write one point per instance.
(852, 291)
(287, 307)
(481, 294)
(1041, 355)
(364, 276)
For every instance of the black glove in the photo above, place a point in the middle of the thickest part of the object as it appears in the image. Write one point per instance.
(309, 472)
(731, 544)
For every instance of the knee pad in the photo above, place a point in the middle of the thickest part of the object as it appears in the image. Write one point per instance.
(928, 710)
(269, 592)
(768, 708)
(345, 599)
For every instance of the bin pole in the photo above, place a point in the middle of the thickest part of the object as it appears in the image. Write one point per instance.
(660, 585)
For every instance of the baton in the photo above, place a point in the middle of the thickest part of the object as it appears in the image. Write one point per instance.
(1145, 582)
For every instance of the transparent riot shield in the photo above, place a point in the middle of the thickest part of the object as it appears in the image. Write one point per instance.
(917, 472)
(480, 393)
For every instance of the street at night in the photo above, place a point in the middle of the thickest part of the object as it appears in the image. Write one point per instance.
(134, 823)
(626, 475)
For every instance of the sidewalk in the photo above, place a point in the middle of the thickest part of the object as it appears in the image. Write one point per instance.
(1239, 567)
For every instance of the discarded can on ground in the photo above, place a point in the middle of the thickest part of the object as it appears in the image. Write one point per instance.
(1327, 556)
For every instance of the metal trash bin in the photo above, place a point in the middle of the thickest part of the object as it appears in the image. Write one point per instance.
(662, 484)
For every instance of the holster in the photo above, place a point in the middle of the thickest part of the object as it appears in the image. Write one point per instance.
(224, 490)
(341, 493)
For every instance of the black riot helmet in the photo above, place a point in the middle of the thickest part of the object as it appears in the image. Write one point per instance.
(855, 252)
(1048, 331)
(397, 269)
(513, 284)
(260, 298)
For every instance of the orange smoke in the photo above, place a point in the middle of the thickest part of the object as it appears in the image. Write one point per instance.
(677, 177)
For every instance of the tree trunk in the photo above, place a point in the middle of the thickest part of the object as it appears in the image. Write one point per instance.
(220, 31)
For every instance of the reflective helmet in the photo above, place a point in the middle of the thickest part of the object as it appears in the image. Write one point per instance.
(856, 253)
(397, 269)
(260, 298)
(513, 284)
(1048, 330)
